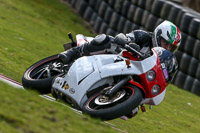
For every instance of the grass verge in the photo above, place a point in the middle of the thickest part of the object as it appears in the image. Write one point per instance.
(34, 29)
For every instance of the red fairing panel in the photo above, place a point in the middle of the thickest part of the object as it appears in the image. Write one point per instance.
(159, 80)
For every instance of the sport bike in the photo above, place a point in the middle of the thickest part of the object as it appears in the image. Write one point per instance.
(106, 86)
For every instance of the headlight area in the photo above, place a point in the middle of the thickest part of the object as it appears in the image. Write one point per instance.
(155, 90)
(150, 75)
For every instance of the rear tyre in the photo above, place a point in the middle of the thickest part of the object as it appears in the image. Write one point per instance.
(125, 100)
(40, 75)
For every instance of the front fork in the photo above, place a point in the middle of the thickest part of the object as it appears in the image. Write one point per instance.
(111, 92)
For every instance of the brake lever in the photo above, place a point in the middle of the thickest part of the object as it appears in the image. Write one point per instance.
(132, 50)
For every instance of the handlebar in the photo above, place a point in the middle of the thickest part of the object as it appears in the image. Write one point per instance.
(132, 50)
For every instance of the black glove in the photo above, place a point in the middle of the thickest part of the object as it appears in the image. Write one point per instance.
(121, 40)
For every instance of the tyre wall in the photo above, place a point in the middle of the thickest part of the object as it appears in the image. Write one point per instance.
(122, 16)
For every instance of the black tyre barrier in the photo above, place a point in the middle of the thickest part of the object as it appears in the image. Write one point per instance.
(151, 23)
(111, 32)
(142, 3)
(196, 87)
(180, 79)
(185, 22)
(193, 28)
(97, 5)
(166, 10)
(160, 20)
(125, 8)
(138, 16)
(173, 14)
(135, 2)
(149, 4)
(108, 15)
(183, 41)
(135, 26)
(179, 16)
(102, 9)
(189, 45)
(198, 72)
(114, 21)
(97, 24)
(127, 26)
(188, 83)
(93, 19)
(92, 3)
(194, 13)
(157, 7)
(73, 3)
(145, 17)
(88, 14)
(131, 12)
(178, 55)
(121, 24)
(111, 3)
(69, 1)
(185, 63)
(193, 67)
(118, 5)
(196, 52)
(81, 6)
(103, 28)
(198, 34)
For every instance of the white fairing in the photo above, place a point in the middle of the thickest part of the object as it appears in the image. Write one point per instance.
(155, 100)
(89, 71)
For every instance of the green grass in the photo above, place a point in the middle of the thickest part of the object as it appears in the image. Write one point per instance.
(25, 112)
(31, 30)
(34, 29)
(178, 113)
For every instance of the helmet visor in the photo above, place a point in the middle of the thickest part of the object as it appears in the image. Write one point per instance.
(167, 45)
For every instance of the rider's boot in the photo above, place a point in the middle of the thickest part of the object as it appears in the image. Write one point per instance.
(70, 55)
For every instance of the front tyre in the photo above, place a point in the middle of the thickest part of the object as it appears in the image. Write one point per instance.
(40, 75)
(125, 100)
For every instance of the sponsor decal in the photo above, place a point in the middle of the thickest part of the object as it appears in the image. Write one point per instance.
(71, 90)
(165, 73)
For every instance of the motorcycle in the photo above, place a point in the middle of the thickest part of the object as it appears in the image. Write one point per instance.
(105, 86)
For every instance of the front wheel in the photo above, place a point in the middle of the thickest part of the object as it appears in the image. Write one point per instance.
(125, 100)
(40, 75)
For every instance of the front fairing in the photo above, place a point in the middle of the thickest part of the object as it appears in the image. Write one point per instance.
(89, 71)
(159, 80)
(120, 68)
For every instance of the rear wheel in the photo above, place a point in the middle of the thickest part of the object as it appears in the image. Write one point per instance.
(40, 75)
(124, 101)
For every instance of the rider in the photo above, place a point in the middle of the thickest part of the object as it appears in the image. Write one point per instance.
(166, 35)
